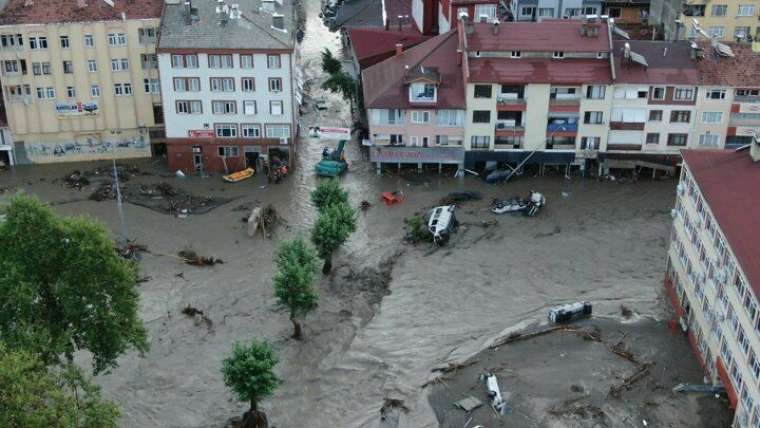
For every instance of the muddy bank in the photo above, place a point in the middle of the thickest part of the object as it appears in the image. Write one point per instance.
(598, 373)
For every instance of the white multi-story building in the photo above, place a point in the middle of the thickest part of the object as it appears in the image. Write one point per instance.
(713, 272)
(227, 80)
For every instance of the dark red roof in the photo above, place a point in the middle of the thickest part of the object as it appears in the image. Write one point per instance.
(669, 63)
(739, 71)
(372, 45)
(730, 183)
(383, 83)
(51, 11)
(546, 36)
(540, 70)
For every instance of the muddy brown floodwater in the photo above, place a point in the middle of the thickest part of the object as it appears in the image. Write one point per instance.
(390, 312)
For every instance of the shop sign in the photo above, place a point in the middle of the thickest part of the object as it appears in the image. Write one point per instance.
(416, 154)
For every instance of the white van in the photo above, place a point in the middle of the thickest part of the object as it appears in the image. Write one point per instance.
(441, 223)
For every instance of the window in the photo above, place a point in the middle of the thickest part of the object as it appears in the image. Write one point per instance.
(220, 61)
(480, 141)
(249, 130)
(275, 108)
(595, 92)
(92, 65)
(397, 140)
(709, 140)
(229, 151)
(422, 92)
(747, 92)
(95, 91)
(712, 117)
(187, 84)
(677, 139)
(593, 117)
(223, 107)
(222, 84)
(89, 41)
(40, 68)
(655, 115)
(684, 94)
(148, 61)
(719, 10)
(680, 116)
(590, 143)
(273, 61)
(450, 117)
(275, 84)
(185, 61)
(11, 40)
(614, 12)
(248, 84)
(225, 130)
(546, 12)
(278, 131)
(653, 138)
(516, 54)
(146, 35)
(481, 116)
(19, 92)
(742, 32)
(558, 54)
(152, 86)
(68, 67)
(119, 64)
(715, 94)
(64, 42)
(387, 116)
(38, 43)
(488, 10)
(528, 11)
(189, 107)
(246, 61)
(71, 92)
(117, 39)
(716, 32)
(482, 91)
(658, 93)
(746, 10)
(249, 107)
(122, 89)
(420, 116)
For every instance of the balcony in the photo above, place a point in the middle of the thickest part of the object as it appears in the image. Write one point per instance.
(510, 98)
(747, 99)
(627, 126)
(560, 143)
(562, 127)
(508, 143)
(624, 147)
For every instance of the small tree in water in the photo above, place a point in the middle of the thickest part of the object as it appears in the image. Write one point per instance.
(296, 264)
(248, 373)
(330, 64)
(331, 230)
(328, 192)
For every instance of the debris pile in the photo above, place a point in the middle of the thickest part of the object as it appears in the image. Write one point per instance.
(417, 230)
(198, 316)
(264, 219)
(76, 180)
(131, 250)
(455, 198)
(106, 191)
(191, 258)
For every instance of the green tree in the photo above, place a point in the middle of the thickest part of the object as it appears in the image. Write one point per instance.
(34, 396)
(328, 192)
(331, 230)
(330, 64)
(296, 264)
(341, 82)
(248, 372)
(64, 288)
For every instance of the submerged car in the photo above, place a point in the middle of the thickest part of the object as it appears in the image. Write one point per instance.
(441, 223)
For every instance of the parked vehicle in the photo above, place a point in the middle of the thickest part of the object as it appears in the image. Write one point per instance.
(528, 206)
(442, 223)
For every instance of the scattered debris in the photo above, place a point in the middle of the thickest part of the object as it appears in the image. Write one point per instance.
(468, 404)
(450, 367)
(574, 407)
(365, 205)
(131, 251)
(458, 197)
(264, 219)
(191, 258)
(391, 198)
(106, 191)
(570, 312)
(494, 393)
(705, 389)
(198, 316)
(76, 180)
(417, 232)
(626, 311)
(642, 372)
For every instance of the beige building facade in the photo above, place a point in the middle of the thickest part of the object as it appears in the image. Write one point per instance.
(77, 91)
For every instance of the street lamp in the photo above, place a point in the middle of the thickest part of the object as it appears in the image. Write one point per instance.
(119, 203)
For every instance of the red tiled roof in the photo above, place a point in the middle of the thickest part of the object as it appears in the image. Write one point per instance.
(372, 45)
(730, 183)
(740, 71)
(540, 70)
(383, 83)
(51, 11)
(669, 63)
(546, 36)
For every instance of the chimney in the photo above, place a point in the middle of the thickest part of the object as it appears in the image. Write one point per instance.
(399, 48)
(278, 22)
(495, 26)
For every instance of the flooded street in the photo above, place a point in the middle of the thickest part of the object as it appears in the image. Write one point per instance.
(390, 312)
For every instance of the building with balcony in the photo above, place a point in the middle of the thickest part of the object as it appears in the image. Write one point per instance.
(80, 78)
(727, 20)
(541, 10)
(227, 81)
(713, 271)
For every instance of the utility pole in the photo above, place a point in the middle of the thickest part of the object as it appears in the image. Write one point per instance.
(119, 204)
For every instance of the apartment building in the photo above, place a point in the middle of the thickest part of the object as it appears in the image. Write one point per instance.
(416, 106)
(227, 81)
(540, 10)
(713, 274)
(80, 78)
(727, 20)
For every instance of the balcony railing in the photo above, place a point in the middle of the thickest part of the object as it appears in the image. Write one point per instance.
(747, 99)
(562, 127)
(508, 125)
(510, 98)
(627, 126)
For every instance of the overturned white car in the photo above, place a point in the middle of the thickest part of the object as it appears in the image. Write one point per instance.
(441, 223)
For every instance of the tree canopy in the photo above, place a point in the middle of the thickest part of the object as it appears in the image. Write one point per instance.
(35, 397)
(296, 265)
(248, 372)
(330, 64)
(328, 192)
(331, 230)
(64, 288)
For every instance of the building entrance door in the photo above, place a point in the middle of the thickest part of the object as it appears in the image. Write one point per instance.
(198, 158)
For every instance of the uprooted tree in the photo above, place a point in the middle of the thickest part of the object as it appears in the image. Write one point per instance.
(293, 288)
(34, 395)
(248, 372)
(331, 230)
(64, 288)
(330, 64)
(328, 192)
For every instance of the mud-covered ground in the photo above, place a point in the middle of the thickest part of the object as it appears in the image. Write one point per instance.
(390, 312)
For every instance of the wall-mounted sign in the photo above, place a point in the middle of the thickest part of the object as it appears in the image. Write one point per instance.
(76, 109)
(200, 133)
(416, 154)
